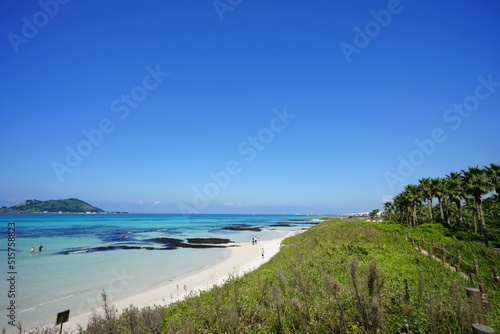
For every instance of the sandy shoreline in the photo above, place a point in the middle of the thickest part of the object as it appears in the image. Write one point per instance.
(237, 261)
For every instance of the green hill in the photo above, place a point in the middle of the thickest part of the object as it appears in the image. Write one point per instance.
(72, 205)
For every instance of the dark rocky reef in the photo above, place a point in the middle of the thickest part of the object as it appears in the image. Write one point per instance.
(106, 248)
(243, 228)
(192, 242)
(213, 241)
(167, 243)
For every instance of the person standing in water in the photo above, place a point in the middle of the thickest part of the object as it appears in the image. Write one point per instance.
(32, 250)
(40, 248)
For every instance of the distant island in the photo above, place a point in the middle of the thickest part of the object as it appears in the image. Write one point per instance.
(70, 205)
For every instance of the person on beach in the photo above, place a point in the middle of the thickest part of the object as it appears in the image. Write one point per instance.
(262, 252)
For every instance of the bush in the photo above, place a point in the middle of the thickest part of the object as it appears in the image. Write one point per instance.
(468, 236)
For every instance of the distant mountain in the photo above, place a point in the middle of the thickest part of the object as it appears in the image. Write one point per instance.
(70, 205)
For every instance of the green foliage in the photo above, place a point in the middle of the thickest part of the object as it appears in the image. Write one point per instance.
(461, 206)
(438, 232)
(374, 214)
(469, 236)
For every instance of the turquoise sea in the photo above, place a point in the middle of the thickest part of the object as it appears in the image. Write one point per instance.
(84, 254)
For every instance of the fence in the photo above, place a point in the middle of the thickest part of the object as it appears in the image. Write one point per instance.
(479, 296)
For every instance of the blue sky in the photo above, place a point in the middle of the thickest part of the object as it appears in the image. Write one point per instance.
(243, 106)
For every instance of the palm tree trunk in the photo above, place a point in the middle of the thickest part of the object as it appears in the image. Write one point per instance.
(414, 215)
(482, 223)
(408, 216)
(475, 221)
(429, 204)
(422, 212)
(447, 211)
(441, 208)
(460, 215)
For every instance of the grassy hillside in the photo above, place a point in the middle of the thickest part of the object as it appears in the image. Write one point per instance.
(62, 205)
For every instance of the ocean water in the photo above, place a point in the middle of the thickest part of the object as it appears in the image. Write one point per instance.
(84, 254)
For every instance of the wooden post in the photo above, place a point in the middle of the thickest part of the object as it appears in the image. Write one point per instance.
(495, 275)
(482, 288)
(476, 267)
(457, 268)
(475, 296)
(458, 255)
(472, 277)
(412, 242)
(486, 305)
(482, 329)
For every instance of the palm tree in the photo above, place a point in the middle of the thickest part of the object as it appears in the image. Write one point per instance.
(478, 184)
(398, 205)
(493, 173)
(419, 200)
(440, 191)
(412, 195)
(456, 194)
(403, 207)
(446, 206)
(389, 209)
(470, 210)
(428, 193)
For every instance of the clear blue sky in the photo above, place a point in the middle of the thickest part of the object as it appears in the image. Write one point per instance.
(295, 107)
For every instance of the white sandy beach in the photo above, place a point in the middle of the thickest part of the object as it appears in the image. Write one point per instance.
(237, 261)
